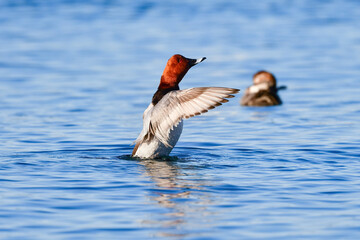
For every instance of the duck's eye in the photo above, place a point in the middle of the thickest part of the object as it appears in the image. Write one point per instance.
(179, 60)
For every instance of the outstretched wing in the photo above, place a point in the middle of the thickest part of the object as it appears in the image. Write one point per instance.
(180, 104)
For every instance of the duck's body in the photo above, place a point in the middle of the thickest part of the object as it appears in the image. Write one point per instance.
(261, 95)
(155, 148)
(162, 120)
(264, 91)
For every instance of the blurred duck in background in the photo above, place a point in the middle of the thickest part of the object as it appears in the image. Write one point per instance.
(263, 92)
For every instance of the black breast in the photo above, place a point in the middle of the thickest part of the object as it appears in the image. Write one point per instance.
(160, 93)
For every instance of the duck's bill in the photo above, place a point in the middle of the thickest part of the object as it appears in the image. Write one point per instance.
(193, 62)
(282, 88)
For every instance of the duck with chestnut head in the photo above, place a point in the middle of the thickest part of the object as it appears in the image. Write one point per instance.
(163, 119)
(263, 92)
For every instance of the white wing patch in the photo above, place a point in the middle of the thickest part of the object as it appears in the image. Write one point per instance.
(177, 105)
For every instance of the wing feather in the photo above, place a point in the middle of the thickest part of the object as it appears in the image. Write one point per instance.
(179, 104)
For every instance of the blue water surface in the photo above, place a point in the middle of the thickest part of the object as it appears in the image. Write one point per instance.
(76, 76)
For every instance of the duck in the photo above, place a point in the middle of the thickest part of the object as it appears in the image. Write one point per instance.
(263, 92)
(163, 118)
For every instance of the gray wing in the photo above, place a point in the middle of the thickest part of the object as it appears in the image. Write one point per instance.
(180, 104)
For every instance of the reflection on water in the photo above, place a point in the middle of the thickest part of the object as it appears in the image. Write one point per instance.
(259, 116)
(176, 192)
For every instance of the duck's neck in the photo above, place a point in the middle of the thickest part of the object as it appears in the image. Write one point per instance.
(161, 92)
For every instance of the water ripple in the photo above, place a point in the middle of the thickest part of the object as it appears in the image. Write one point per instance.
(76, 77)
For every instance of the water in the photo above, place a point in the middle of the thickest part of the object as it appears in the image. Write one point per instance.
(75, 78)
